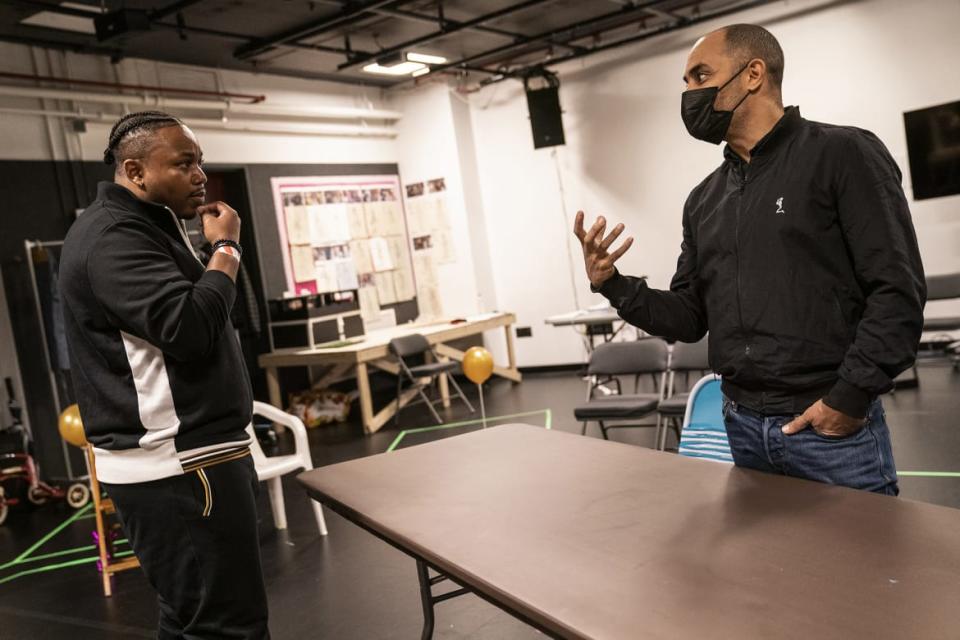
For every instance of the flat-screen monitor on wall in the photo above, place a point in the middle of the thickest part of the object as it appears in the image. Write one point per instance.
(933, 144)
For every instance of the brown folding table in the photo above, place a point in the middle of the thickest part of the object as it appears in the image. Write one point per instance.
(583, 538)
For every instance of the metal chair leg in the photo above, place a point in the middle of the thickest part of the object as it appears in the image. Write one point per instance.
(583, 431)
(603, 430)
(436, 416)
(396, 416)
(460, 393)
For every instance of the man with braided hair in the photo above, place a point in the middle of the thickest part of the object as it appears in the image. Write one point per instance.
(160, 379)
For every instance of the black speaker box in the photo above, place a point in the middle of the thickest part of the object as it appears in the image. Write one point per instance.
(546, 118)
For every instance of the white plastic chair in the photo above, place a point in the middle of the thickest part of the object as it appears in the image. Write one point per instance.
(272, 469)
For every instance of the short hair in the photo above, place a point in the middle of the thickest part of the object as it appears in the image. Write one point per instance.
(748, 41)
(129, 136)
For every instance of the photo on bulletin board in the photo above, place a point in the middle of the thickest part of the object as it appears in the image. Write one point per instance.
(345, 233)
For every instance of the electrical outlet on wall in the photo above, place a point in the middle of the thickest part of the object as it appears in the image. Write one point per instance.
(524, 332)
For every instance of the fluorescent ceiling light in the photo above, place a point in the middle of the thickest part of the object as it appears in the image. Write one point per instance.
(421, 72)
(402, 69)
(52, 20)
(425, 59)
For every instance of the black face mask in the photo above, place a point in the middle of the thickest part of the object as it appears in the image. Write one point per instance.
(704, 122)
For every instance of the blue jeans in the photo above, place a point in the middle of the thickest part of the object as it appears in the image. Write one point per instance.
(862, 460)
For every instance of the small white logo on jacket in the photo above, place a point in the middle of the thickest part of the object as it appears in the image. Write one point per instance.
(780, 205)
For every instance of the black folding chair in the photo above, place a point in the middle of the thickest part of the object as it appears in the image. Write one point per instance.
(685, 358)
(613, 359)
(939, 287)
(416, 345)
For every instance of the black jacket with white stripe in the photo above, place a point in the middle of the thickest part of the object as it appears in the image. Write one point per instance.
(157, 368)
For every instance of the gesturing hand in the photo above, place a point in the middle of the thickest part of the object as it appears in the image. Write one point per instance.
(597, 260)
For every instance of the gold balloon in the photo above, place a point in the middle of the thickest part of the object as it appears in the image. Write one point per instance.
(71, 426)
(478, 364)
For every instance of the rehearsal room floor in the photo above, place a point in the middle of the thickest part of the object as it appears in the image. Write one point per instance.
(350, 585)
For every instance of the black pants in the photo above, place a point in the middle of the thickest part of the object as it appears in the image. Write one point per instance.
(196, 538)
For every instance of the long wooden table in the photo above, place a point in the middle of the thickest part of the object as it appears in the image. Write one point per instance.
(585, 538)
(372, 351)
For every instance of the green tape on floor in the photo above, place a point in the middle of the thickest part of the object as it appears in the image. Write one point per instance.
(547, 415)
(929, 474)
(39, 543)
(62, 565)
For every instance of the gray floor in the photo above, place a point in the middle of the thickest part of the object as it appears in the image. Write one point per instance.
(351, 585)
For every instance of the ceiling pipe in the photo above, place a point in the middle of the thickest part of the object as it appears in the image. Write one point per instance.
(158, 102)
(247, 126)
(249, 98)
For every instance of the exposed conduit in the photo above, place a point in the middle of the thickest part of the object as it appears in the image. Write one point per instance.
(252, 126)
(221, 106)
(225, 95)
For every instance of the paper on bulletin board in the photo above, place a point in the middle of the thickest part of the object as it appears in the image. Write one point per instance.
(302, 258)
(404, 285)
(425, 269)
(373, 215)
(369, 304)
(441, 218)
(393, 218)
(357, 221)
(337, 222)
(360, 250)
(380, 254)
(428, 301)
(443, 246)
(415, 216)
(386, 290)
(398, 250)
(346, 275)
(298, 227)
(326, 272)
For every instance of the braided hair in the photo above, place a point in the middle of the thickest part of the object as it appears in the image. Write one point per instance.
(129, 128)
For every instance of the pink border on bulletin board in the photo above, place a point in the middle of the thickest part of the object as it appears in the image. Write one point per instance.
(300, 183)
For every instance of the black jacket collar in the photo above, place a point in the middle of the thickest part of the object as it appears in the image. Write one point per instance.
(781, 132)
(158, 214)
(120, 195)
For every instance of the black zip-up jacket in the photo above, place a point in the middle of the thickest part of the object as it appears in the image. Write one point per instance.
(803, 265)
(157, 368)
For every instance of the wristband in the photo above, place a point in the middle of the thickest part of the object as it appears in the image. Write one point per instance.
(227, 243)
(230, 251)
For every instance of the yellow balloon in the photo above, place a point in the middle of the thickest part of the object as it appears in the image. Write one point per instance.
(478, 364)
(71, 426)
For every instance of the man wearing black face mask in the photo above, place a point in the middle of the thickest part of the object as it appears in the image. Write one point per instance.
(799, 257)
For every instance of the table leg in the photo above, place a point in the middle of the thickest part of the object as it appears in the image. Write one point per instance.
(444, 385)
(426, 600)
(273, 390)
(273, 387)
(366, 398)
(511, 350)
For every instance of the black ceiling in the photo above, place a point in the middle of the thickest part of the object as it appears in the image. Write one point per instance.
(332, 39)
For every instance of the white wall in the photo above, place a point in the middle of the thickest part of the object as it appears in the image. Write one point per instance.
(628, 156)
(429, 148)
(31, 137)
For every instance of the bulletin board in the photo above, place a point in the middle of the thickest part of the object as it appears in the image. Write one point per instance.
(345, 233)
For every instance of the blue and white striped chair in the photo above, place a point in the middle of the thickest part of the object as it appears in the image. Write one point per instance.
(703, 434)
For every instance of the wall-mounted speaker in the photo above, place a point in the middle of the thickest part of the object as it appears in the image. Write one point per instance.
(546, 117)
